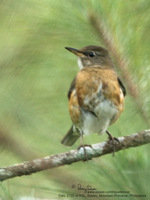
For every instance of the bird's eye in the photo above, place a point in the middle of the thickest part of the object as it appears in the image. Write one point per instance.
(91, 54)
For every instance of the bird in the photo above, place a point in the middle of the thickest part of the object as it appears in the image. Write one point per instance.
(96, 95)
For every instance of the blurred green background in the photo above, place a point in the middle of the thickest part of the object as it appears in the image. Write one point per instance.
(35, 75)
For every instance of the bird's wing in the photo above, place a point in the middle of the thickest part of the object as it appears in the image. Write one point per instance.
(73, 134)
(72, 87)
(122, 87)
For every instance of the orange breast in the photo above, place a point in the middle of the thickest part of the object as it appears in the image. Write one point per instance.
(88, 83)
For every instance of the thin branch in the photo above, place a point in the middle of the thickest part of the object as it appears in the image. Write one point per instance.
(97, 150)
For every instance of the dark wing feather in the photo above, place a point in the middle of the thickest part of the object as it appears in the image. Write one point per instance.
(71, 137)
(72, 86)
(122, 87)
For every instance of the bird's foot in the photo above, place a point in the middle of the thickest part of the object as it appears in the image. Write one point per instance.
(112, 139)
(84, 149)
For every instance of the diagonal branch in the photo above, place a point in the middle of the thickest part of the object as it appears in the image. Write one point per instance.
(97, 150)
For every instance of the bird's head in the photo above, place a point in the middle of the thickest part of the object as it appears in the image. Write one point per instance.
(92, 56)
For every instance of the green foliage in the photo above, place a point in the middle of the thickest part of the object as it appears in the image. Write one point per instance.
(35, 75)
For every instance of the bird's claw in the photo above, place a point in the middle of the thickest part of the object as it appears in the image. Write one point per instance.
(113, 139)
(84, 148)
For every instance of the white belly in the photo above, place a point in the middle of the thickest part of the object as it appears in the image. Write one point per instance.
(105, 111)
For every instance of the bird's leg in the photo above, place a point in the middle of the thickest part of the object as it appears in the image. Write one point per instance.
(111, 138)
(82, 145)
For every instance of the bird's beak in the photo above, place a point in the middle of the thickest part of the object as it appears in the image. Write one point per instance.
(75, 51)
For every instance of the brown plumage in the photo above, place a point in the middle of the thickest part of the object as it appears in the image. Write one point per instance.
(96, 95)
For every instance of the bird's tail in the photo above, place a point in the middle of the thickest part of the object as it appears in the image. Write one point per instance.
(71, 137)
